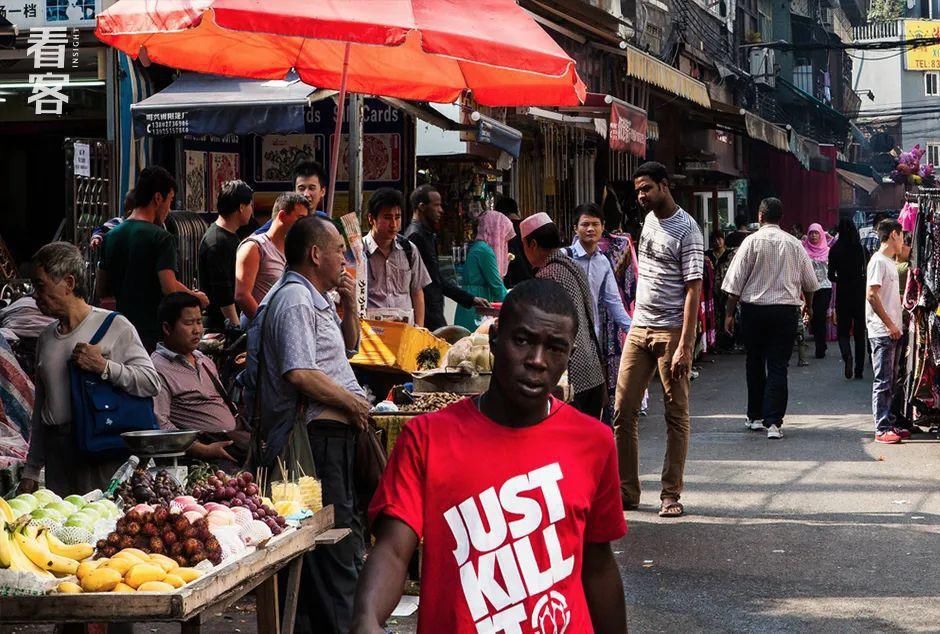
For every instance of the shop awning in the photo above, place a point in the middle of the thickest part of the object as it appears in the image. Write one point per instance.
(651, 70)
(213, 105)
(764, 130)
(866, 183)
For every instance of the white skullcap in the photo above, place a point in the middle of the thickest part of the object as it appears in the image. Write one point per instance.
(533, 222)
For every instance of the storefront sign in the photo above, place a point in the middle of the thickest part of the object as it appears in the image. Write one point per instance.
(166, 123)
(627, 129)
(922, 57)
(31, 14)
(82, 159)
(47, 48)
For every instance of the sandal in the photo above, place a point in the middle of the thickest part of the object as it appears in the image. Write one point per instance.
(671, 509)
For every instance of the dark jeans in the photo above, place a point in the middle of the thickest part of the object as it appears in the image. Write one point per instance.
(769, 334)
(591, 402)
(821, 299)
(850, 318)
(330, 573)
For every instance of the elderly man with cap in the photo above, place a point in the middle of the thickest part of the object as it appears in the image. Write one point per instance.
(542, 245)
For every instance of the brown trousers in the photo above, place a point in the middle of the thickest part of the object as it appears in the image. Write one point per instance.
(645, 351)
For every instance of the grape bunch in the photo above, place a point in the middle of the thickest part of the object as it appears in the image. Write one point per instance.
(141, 488)
(239, 491)
(163, 533)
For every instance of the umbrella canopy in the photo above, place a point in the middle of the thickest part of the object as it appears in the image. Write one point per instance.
(422, 50)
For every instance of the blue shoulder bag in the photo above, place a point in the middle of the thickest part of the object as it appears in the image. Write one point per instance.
(101, 412)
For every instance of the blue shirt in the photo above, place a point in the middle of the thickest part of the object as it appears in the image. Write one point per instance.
(302, 332)
(604, 289)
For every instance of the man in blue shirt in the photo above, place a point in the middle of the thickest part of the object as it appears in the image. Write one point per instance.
(589, 227)
(310, 181)
(298, 357)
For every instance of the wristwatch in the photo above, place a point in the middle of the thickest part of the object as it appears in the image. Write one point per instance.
(106, 375)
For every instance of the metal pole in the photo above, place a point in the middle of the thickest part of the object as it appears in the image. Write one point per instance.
(337, 137)
(356, 104)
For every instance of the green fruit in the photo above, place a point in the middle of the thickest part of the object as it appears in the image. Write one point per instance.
(69, 535)
(48, 514)
(88, 516)
(29, 499)
(62, 507)
(84, 521)
(20, 507)
(46, 497)
(77, 501)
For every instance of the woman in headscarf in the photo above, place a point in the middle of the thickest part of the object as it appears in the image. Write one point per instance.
(847, 270)
(816, 244)
(481, 277)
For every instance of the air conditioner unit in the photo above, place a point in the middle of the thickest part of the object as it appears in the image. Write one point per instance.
(763, 68)
(826, 18)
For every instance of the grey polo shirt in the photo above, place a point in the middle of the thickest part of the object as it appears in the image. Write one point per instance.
(393, 279)
(301, 331)
(190, 398)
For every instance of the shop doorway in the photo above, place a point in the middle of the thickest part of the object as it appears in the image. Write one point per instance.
(713, 209)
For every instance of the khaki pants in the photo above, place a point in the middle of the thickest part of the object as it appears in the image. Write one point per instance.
(645, 351)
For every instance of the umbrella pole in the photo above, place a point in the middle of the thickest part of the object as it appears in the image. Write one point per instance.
(334, 159)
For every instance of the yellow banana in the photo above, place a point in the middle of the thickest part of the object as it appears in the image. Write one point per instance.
(78, 552)
(21, 563)
(6, 512)
(37, 550)
(6, 546)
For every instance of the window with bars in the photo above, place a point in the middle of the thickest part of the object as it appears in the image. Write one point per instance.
(933, 153)
(932, 84)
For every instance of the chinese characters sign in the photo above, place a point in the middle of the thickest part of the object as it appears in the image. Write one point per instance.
(30, 14)
(47, 49)
(922, 57)
(627, 131)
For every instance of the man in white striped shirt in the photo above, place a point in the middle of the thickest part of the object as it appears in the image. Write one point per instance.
(671, 260)
(771, 275)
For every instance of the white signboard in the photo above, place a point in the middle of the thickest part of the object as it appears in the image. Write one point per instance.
(27, 14)
(82, 159)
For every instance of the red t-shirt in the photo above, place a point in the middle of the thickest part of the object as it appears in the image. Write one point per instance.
(504, 514)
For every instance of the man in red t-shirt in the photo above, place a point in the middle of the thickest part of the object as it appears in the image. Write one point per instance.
(515, 494)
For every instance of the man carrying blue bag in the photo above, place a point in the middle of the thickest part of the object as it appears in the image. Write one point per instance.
(118, 359)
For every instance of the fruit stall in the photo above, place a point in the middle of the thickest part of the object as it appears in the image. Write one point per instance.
(176, 557)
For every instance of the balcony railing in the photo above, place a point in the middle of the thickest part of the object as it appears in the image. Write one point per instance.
(880, 31)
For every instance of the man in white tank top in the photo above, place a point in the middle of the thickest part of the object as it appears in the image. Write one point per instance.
(260, 261)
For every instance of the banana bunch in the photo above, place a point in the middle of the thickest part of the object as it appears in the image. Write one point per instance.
(26, 548)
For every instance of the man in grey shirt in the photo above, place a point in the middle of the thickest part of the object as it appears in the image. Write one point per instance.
(303, 349)
(671, 259)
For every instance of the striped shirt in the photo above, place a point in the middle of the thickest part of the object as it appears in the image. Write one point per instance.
(771, 268)
(671, 254)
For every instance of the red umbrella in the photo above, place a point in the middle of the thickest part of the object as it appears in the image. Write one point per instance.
(421, 50)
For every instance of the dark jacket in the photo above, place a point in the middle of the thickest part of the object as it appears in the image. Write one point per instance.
(519, 268)
(426, 240)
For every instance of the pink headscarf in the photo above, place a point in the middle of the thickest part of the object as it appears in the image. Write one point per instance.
(818, 252)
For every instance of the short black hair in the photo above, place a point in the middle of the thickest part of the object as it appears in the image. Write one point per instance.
(422, 195)
(716, 235)
(286, 202)
(546, 295)
(546, 236)
(888, 226)
(232, 196)
(591, 210)
(172, 307)
(655, 171)
(152, 181)
(506, 205)
(129, 203)
(385, 198)
(741, 220)
(772, 209)
(306, 169)
(303, 235)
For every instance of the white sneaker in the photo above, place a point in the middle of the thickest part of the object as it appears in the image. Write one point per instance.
(774, 432)
(753, 425)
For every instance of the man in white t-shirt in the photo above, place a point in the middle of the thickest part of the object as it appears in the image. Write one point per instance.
(883, 318)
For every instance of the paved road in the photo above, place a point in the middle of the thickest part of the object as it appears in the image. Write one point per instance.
(824, 531)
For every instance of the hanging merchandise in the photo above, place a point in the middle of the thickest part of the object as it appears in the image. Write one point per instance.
(920, 351)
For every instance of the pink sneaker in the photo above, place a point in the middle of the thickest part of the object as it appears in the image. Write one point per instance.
(887, 437)
(903, 433)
